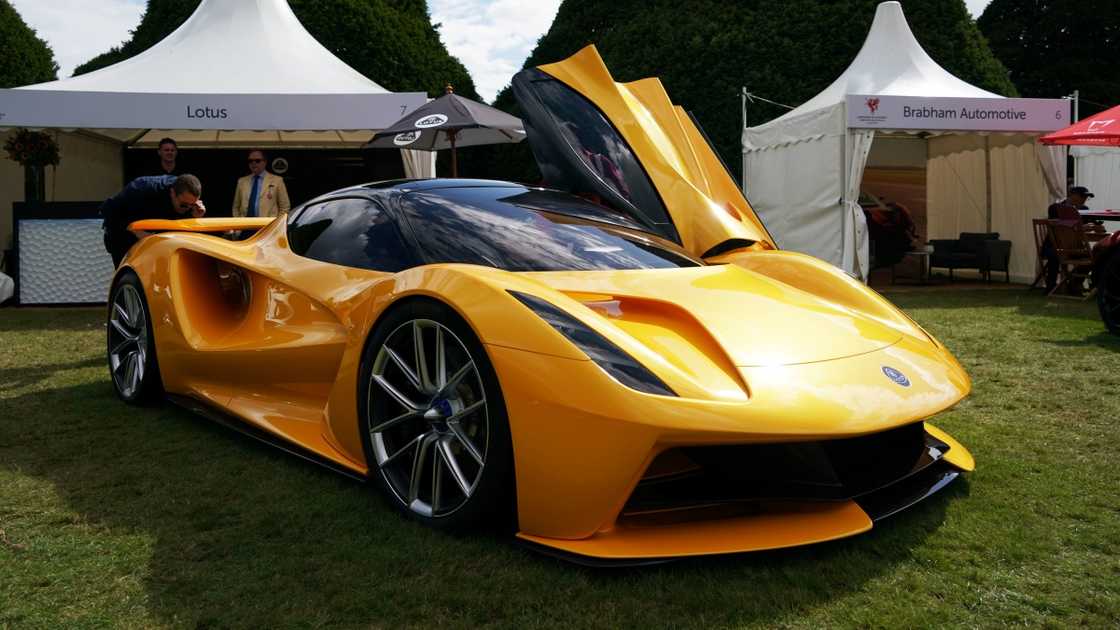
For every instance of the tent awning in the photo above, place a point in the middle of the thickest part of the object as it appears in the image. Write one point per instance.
(257, 139)
(1102, 129)
(131, 110)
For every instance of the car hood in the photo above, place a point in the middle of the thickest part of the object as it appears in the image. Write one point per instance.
(628, 145)
(752, 319)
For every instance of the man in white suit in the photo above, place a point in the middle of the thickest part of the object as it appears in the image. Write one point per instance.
(260, 193)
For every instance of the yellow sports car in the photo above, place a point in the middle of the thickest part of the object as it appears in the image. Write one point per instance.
(623, 365)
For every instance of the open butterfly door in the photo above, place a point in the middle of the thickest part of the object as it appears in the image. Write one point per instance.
(629, 146)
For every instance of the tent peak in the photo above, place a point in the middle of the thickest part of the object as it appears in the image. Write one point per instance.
(229, 47)
(891, 62)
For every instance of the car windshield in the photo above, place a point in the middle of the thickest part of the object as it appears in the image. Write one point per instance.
(518, 229)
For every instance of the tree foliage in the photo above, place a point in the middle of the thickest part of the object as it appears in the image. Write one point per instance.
(704, 51)
(160, 18)
(1054, 47)
(393, 42)
(26, 59)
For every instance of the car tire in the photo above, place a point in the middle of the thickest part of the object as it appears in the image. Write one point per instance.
(130, 344)
(1108, 292)
(434, 428)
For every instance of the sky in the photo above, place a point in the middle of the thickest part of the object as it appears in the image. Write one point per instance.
(491, 37)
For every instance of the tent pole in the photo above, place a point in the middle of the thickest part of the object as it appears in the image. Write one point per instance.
(1076, 119)
(454, 161)
(988, 181)
(743, 130)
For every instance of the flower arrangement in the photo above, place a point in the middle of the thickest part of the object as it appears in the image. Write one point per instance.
(32, 148)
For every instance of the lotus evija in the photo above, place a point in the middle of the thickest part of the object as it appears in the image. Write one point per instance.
(622, 365)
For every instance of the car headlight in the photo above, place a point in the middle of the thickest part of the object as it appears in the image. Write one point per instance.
(619, 365)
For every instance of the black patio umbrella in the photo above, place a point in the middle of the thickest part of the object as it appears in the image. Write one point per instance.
(448, 122)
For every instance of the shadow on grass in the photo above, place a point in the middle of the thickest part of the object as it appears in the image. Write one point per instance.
(1029, 302)
(14, 378)
(19, 319)
(1031, 306)
(1105, 340)
(242, 535)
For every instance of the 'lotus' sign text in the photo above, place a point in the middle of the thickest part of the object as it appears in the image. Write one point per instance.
(207, 113)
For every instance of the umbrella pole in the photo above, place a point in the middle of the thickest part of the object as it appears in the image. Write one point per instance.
(454, 161)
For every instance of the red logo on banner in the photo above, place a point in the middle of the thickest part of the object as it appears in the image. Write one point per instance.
(873, 104)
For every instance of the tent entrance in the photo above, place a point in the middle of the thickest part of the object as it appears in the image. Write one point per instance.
(893, 197)
(958, 182)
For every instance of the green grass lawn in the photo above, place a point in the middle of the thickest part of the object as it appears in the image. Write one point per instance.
(117, 516)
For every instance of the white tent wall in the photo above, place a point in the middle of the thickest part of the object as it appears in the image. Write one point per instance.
(91, 168)
(956, 193)
(955, 190)
(856, 245)
(1019, 194)
(774, 161)
(827, 221)
(1098, 169)
(1053, 160)
(898, 151)
(813, 228)
(419, 164)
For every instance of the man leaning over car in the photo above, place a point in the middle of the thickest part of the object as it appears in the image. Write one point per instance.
(155, 197)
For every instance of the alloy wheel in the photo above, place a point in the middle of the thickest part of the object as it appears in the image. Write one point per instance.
(128, 341)
(429, 420)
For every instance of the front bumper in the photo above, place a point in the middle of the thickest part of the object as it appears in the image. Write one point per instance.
(583, 446)
(697, 513)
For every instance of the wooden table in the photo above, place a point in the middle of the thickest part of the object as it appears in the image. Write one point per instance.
(923, 265)
(1101, 215)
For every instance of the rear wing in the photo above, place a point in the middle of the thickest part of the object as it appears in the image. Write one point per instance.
(222, 224)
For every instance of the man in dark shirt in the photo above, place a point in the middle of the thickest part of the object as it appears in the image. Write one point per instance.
(1067, 209)
(1064, 210)
(155, 197)
(168, 152)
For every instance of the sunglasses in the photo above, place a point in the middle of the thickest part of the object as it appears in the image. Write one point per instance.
(255, 160)
(187, 206)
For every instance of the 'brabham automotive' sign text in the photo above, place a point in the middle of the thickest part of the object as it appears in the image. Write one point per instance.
(957, 114)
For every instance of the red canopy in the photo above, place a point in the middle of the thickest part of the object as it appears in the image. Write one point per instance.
(1102, 129)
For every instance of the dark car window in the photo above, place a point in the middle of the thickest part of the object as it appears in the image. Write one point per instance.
(350, 231)
(602, 148)
(518, 229)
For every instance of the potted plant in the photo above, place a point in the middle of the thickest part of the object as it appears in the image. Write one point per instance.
(35, 150)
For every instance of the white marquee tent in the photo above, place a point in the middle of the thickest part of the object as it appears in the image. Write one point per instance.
(237, 72)
(803, 171)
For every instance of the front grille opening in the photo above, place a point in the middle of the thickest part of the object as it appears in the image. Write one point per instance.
(744, 479)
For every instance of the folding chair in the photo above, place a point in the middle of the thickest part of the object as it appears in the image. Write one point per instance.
(1075, 261)
(1041, 231)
